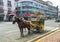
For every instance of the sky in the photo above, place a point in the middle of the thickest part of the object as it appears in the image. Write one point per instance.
(55, 2)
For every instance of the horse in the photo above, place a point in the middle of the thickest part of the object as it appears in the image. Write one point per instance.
(22, 24)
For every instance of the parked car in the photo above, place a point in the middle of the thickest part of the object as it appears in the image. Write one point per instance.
(58, 19)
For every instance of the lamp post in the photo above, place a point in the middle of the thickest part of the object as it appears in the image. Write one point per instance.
(57, 12)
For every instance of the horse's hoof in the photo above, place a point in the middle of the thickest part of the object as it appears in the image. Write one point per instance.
(22, 36)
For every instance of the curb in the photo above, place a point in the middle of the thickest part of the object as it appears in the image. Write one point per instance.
(32, 40)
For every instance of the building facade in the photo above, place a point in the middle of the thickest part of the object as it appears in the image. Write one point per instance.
(1, 10)
(26, 6)
(6, 9)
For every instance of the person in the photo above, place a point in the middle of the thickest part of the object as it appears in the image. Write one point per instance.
(22, 19)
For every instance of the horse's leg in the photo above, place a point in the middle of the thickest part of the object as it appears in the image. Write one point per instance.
(25, 29)
(21, 30)
(28, 30)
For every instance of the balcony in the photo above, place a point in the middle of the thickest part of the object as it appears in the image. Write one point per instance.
(35, 10)
(31, 5)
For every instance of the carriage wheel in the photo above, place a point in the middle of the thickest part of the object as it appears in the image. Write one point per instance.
(36, 29)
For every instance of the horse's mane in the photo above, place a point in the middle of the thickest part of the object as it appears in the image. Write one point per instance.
(19, 20)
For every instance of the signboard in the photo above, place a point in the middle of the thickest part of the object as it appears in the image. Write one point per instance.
(26, 15)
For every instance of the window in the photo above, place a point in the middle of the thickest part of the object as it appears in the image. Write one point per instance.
(36, 4)
(16, 0)
(27, 3)
(39, 5)
(9, 10)
(17, 8)
(9, 3)
(42, 6)
(1, 2)
(1, 10)
(27, 7)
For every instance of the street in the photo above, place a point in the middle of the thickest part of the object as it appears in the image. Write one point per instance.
(51, 24)
(10, 32)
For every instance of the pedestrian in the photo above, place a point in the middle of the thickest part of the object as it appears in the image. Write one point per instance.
(22, 19)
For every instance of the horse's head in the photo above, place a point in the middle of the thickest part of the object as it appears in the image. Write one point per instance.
(16, 19)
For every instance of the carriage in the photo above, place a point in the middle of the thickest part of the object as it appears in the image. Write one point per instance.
(37, 21)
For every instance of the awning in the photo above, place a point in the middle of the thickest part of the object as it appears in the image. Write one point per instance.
(12, 13)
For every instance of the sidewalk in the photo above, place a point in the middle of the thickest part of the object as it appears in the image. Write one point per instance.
(53, 37)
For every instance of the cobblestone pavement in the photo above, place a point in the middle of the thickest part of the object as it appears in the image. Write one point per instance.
(54, 37)
(10, 33)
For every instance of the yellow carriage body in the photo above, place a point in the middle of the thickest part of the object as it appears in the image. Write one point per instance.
(35, 19)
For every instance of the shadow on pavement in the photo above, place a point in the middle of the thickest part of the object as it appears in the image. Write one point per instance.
(32, 35)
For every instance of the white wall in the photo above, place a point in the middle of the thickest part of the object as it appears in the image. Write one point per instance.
(13, 5)
(6, 8)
